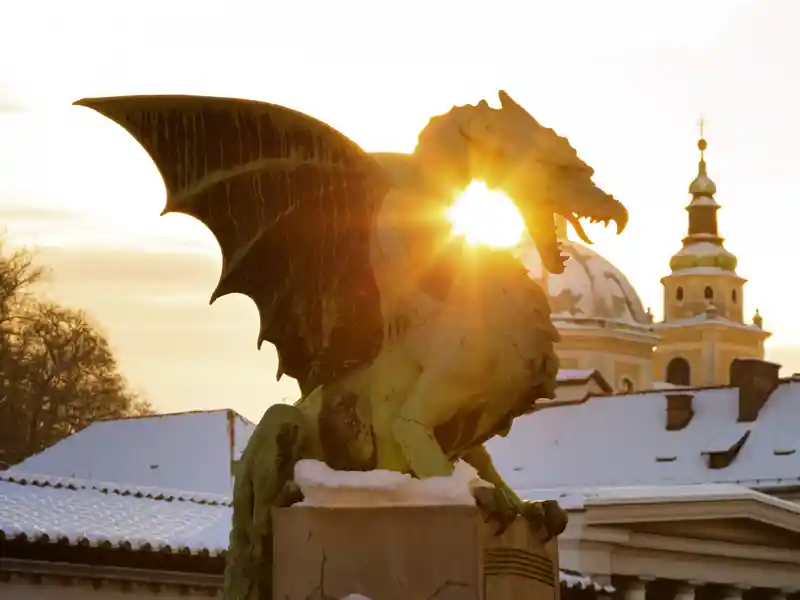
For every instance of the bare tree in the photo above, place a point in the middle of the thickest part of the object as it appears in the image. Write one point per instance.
(57, 372)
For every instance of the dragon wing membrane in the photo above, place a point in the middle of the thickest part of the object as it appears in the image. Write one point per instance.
(292, 203)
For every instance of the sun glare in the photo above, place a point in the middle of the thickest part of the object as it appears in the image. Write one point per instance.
(485, 216)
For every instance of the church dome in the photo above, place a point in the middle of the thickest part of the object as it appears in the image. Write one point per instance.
(703, 254)
(590, 289)
(703, 185)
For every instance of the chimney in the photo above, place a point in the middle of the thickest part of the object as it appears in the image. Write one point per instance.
(756, 379)
(679, 411)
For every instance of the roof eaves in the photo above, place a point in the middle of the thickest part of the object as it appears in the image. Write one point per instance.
(47, 481)
(43, 538)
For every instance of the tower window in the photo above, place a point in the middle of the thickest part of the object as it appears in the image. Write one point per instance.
(679, 372)
(733, 296)
(679, 294)
(708, 293)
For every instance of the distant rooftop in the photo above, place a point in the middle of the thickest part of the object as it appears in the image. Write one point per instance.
(623, 440)
(190, 451)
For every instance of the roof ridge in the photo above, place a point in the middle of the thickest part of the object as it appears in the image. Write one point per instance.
(119, 489)
(175, 414)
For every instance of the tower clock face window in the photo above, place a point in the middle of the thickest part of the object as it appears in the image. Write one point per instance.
(708, 293)
(679, 294)
(733, 296)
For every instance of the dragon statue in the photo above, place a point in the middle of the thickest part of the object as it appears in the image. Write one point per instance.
(410, 346)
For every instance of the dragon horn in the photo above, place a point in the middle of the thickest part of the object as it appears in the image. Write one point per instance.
(511, 105)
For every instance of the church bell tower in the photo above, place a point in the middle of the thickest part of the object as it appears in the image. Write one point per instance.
(703, 329)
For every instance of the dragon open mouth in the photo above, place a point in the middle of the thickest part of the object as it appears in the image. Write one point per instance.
(574, 220)
(545, 236)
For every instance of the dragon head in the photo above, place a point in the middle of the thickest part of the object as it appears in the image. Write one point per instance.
(539, 170)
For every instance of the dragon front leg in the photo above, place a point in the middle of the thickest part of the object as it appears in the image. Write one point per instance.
(433, 400)
(263, 480)
(502, 504)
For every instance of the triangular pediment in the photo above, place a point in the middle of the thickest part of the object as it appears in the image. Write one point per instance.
(737, 531)
(709, 513)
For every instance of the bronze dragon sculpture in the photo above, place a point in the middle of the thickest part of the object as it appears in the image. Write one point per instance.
(410, 346)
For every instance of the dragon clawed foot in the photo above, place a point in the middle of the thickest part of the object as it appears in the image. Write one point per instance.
(547, 515)
(290, 495)
(497, 507)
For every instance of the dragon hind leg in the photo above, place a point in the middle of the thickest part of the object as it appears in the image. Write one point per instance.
(263, 476)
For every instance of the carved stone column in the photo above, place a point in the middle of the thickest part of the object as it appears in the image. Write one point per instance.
(635, 589)
(685, 591)
(778, 595)
(733, 592)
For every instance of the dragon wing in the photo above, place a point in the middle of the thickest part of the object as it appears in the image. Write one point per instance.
(292, 203)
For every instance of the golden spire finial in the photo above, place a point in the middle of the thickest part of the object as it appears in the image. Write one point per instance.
(702, 185)
(702, 144)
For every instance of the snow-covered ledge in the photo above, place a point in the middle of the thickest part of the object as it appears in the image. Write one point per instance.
(322, 486)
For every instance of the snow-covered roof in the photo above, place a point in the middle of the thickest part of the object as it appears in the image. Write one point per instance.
(703, 249)
(706, 272)
(582, 498)
(46, 509)
(623, 441)
(190, 451)
(575, 580)
(707, 318)
(581, 377)
(666, 385)
(107, 487)
(575, 375)
(78, 512)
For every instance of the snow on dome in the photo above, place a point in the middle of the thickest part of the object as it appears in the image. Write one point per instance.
(589, 288)
(322, 486)
(703, 254)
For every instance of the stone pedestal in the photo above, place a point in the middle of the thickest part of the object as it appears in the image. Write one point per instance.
(516, 565)
(407, 553)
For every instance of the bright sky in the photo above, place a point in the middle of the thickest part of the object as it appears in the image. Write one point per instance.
(625, 80)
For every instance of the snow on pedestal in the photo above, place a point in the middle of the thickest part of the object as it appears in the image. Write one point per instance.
(386, 536)
(322, 486)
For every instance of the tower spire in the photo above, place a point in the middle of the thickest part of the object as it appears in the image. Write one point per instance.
(703, 228)
(702, 184)
(702, 125)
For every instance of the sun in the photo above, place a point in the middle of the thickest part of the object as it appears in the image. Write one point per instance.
(485, 216)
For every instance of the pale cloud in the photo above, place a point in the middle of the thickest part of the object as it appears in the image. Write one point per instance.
(626, 80)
